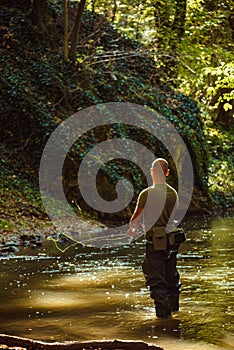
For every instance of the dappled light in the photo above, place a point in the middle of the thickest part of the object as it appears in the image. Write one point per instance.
(92, 91)
(66, 296)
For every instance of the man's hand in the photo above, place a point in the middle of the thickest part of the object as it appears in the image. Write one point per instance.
(131, 232)
(135, 222)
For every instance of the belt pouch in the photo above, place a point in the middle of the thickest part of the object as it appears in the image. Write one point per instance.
(171, 239)
(159, 238)
(176, 237)
(180, 236)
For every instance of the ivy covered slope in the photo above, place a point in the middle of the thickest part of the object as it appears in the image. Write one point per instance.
(39, 89)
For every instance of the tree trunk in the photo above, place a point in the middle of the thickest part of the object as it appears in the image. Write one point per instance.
(66, 49)
(93, 5)
(114, 11)
(76, 29)
(231, 23)
(169, 33)
(224, 117)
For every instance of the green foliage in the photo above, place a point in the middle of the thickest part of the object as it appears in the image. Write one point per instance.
(183, 50)
(40, 90)
(24, 77)
(221, 168)
(206, 67)
(18, 179)
(224, 83)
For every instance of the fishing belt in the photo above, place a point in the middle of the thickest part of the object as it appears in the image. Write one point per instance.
(162, 240)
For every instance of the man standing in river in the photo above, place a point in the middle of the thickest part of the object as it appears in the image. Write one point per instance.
(154, 209)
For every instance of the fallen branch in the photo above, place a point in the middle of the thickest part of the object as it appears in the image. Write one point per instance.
(30, 344)
(111, 59)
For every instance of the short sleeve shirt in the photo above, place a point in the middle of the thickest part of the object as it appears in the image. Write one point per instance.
(159, 203)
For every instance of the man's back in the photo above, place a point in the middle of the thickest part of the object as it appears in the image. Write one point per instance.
(158, 202)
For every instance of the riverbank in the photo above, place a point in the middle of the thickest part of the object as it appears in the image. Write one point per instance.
(24, 223)
(27, 231)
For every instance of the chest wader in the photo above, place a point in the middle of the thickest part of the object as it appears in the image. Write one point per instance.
(160, 270)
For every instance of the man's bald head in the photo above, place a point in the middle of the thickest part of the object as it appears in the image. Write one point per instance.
(160, 164)
(159, 170)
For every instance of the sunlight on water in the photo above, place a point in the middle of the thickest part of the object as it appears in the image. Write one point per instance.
(84, 295)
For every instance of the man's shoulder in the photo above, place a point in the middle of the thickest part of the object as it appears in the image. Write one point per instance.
(157, 188)
(171, 189)
(147, 189)
(144, 192)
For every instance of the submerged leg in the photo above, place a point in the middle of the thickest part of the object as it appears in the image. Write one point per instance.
(173, 282)
(154, 269)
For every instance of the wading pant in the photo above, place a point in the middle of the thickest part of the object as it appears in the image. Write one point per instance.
(161, 275)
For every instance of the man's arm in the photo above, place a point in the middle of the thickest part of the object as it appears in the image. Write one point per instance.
(135, 221)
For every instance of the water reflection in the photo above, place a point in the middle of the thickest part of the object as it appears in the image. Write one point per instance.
(86, 294)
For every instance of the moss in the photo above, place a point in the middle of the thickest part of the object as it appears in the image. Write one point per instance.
(6, 225)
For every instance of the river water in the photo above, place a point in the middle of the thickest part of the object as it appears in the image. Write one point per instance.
(85, 294)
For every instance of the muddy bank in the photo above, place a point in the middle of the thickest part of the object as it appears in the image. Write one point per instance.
(33, 232)
(10, 242)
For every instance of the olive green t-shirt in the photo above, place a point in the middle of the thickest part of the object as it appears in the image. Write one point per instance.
(159, 202)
